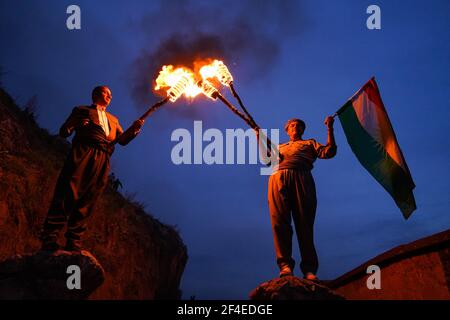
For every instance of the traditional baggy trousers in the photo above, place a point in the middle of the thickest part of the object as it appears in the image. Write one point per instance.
(85, 173)
(80, 183)
(292, 193)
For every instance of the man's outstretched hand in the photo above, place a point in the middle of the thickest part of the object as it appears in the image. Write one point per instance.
(138, 124)
(329, 121)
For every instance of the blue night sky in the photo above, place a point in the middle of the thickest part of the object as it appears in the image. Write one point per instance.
(293, 59)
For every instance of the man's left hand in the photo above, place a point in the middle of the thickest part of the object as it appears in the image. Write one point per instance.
(138, 124)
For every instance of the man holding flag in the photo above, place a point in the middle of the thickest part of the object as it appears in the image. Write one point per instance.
(292, 193)
(292, 196)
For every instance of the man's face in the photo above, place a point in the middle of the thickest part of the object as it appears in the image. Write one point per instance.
(104, 97)
(294, 130)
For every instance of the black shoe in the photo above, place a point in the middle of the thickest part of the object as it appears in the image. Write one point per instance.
(49, 246)
(311, 277)
(286, 271)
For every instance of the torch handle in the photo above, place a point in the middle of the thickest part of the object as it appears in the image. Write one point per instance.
(154, 108)
(250, 118)
(235, 111)
(252, 124)
(131, 129)
(233, 91)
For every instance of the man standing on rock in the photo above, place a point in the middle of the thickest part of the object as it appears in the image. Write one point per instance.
(292, 193)
(84, 175)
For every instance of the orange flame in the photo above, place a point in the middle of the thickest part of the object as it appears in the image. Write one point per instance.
(182, 80)
(208, 89)
(177, 82)
(217, 69)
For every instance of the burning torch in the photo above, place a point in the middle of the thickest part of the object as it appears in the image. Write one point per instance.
(219, 70)
(211, 92)
(173, 93)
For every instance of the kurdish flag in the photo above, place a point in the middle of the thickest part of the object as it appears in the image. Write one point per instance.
(371, 136)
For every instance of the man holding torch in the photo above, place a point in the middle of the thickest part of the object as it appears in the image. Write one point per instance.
(84, 175)
(292, 193)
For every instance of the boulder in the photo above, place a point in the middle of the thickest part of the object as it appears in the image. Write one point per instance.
(48, 275)
(293, 288)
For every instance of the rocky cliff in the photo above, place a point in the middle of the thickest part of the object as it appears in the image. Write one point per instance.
(142, 258)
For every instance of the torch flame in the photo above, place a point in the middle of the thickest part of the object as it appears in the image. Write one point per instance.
(218, 70)
(182, 80)
(208, 89)
(178, 81)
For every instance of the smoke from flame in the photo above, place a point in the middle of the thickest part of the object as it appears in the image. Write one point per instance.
(246, 34)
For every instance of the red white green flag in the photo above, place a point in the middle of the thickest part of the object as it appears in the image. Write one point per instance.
(371, 136)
